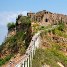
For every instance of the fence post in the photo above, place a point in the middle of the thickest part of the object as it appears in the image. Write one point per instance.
(27, 62)
(22, 65)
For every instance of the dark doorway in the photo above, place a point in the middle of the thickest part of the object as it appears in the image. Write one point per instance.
(46, 20)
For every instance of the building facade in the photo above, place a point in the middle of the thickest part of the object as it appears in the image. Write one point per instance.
(45, 17)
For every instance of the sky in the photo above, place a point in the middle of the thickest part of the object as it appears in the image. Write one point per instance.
(9, 10)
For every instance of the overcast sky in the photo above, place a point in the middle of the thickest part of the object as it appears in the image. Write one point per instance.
(9, 9)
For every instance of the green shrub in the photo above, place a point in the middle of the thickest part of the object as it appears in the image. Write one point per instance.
(61, 26)
(25, 19)
(11, 25)
(6, 59)
(22, 50)
(15, 42)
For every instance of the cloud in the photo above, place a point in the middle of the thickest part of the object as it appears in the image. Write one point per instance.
(6, 17)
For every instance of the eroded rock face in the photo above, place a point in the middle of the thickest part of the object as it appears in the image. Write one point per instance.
(60, 64)
(48, 39)
(11, 32)
(45, 65)
(62, 41)
(59, 39)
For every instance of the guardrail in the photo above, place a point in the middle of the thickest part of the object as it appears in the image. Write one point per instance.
(26, 61)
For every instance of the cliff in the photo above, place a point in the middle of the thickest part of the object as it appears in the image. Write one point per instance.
(20, 34)
(18, 39)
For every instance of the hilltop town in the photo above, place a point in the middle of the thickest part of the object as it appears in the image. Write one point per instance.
(46, 17)
(42, 18)
(50, 42)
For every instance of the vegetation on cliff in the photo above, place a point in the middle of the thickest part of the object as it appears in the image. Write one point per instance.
(17, 43)
(5, 59)
(11, 25)
(51, 51)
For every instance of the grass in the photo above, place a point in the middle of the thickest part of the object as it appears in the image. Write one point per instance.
(49, 57)
(6, 59)
(59, 33)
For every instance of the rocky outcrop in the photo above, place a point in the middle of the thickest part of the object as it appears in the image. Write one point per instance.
(59, 39)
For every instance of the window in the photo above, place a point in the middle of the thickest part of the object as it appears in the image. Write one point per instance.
(46, 12)
(46, 20)
(39, 19)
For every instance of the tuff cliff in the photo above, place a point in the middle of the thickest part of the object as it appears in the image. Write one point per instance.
(17, 40)
(20, 34)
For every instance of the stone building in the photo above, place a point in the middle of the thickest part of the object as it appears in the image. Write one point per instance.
(45, 17)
